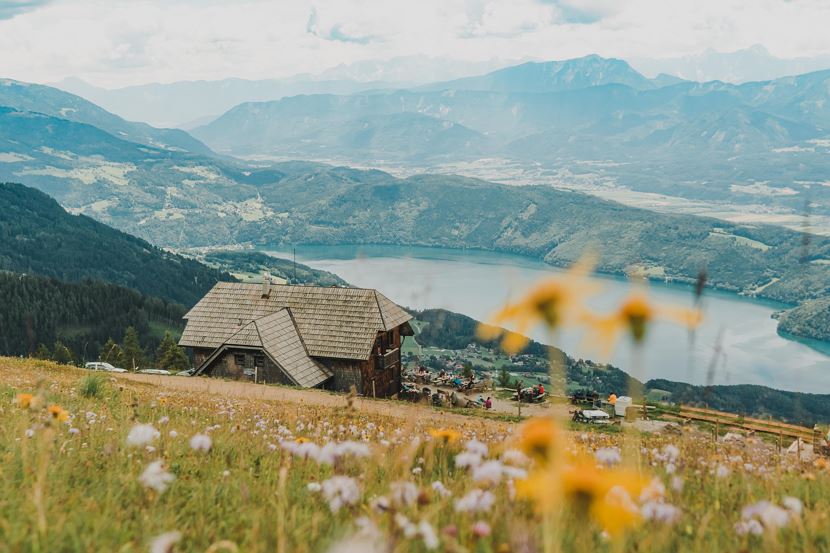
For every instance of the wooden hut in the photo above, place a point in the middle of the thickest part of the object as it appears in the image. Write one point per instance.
(307, 336)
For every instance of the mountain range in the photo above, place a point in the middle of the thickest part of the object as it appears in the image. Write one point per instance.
(755, 143)
(98, 164)
(57, 103)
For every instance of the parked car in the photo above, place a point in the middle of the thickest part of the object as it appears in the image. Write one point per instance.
(187, 372)
(154, 371)
(106, 367)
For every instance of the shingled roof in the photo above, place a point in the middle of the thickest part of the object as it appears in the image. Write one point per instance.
(339, 323)
(277, 336)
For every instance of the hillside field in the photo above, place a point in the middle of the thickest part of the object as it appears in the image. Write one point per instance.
(173, 470)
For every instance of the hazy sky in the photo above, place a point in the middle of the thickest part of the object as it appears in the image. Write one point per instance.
(121, 42)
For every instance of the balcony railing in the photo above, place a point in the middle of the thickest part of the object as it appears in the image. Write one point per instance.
(388, 360)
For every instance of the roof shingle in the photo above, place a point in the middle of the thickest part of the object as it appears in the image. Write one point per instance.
(331, 322)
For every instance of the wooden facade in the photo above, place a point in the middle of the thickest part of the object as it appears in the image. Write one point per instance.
(335, 338)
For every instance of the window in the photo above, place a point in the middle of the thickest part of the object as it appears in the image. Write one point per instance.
(259, 361)
(239, 359)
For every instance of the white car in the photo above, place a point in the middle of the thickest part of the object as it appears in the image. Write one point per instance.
(106, 367)
(154, 371)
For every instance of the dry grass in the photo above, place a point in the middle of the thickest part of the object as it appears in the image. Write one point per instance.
(76, 485)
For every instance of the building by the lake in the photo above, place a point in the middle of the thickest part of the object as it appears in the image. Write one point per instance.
(307, 336)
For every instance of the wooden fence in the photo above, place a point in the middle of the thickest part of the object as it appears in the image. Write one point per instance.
(731, 420)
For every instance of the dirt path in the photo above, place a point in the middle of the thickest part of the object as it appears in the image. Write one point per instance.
(248, 390)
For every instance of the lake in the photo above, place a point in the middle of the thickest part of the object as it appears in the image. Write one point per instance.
(476, 283)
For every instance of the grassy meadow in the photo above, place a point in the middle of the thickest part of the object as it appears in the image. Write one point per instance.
(95, 463)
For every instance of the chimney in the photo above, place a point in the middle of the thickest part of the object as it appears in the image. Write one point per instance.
(266, 285)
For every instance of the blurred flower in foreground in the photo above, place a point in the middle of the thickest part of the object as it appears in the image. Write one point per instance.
(58, 413)
(554, 302)
(604, 495)
(633, 316)
(539, 439)
(165, 542)
(445, 434)
(156, 477)
(23, 400)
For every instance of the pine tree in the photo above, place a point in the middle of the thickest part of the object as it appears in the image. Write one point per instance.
(62, 354)
(504, 378)
(134, 356)
(170, 357)
(112, 353)
(42, 352)
(467, 370)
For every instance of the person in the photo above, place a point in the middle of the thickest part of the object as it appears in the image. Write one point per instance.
(480, 399)
(612, 399)
(488, 403)
(456, 381)
(541, 390)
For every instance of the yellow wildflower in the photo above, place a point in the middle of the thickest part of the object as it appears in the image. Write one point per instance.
(58, 413)
(302, 440)
(634, 316)
(539, 438)
(445, 434)
(553, 302)
(602, 494)
(24, 401)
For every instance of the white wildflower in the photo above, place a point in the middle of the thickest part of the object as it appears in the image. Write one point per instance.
(793, 505)
(671, 453)
(428, 535)
(722, 471)
(770, 515)
(751, 526)
(514, 457)
(488, 472)
(654, 491)
(314, 487)
(660, 512)
(142, 434)
(608, 456)
(442, 490)
(467, 459)
(173, 434)
(164, 543)
(340, 491)
(156, 477)
(477, 447)
(475, 501)
(201, 442)
(403, 494)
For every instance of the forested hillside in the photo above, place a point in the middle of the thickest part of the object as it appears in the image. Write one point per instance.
(750, 400)
(253, 263)
(40, 311)
(811, 319)
(38, 237)
(444, 329)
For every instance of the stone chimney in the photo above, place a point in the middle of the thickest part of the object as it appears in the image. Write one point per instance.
(266, 285)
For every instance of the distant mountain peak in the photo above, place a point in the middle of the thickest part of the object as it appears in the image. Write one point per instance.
(553, 76)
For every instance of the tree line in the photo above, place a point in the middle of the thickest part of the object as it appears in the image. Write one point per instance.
(128, 354)
(78, 319)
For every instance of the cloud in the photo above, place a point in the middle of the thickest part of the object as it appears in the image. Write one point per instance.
(335, 32)
(11, 8)
(116, 43)
(583, 12)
